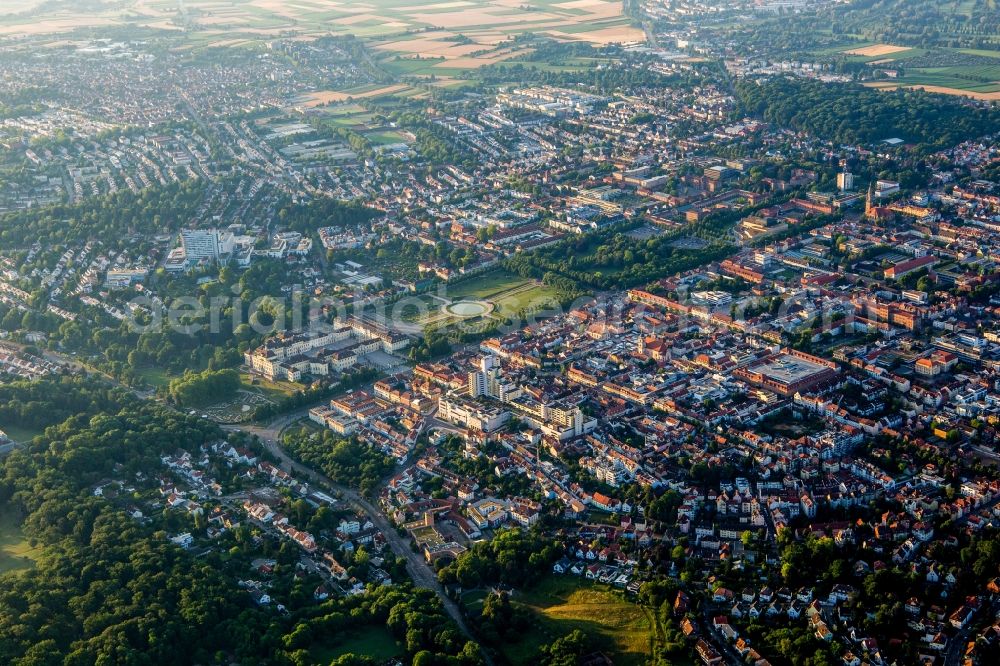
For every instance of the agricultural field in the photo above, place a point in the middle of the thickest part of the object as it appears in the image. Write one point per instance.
(562, 604)
(437, 41)
(222, 22)
(574, 64)
(323, 97)
(969, 72)
(876, 50)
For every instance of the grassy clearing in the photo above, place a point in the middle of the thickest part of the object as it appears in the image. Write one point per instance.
(410, 66)
(156, 377)
(511, 294)
(351, 120)
(564, 603)
(482, 287)
(537, 297)
(416, 308)
(306, 425)
(473, 601)
(549, 67)
(20, 434)
(16, 552)
(385, 138)
(345, 109)
(375, 642)
(981, 52)
(946, 79)
(273, 390)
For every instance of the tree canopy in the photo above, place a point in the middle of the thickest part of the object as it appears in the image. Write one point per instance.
(853, 114)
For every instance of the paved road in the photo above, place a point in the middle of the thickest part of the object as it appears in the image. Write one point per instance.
(717, 640)
(422, 575)
(956, 646)
(272, 431)
(647, 27)
(270, 434)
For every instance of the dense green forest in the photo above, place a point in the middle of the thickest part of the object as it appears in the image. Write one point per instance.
(346, 461)
(852, 114)
(105, 591)
(35, 405)
(113, 217)
(124, 349)
(203, 387)
(974, 24)
(307, 217)
(917, 23)
(155, 210)
(110, 590)
(610, 259)
(513, 557)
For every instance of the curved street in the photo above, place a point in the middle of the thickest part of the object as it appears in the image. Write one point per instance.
(422, 575)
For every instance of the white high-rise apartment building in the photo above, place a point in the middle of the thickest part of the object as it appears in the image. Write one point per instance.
(200, 244)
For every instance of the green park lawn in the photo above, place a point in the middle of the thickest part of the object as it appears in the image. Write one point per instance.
(156, 377)
(482, 287)
(375, 642)
(16, 552)
(561, 604)
(273, 390)
(20, 434)
(539, 297)
(385, 137)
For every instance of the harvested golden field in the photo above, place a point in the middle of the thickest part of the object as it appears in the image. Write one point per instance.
(623, 34)
(482, 61)
(442, 5)
(322, 97)
(582, 4)
(55, 26)
(876, 50)
(973, 94)
(943, 90)
(485, 22)
(596, 9)
(481, 16)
